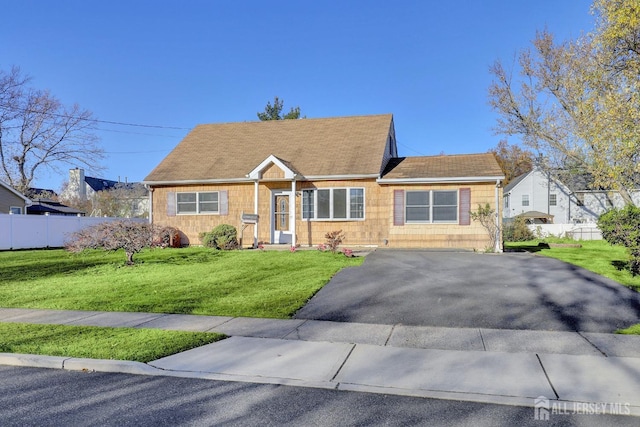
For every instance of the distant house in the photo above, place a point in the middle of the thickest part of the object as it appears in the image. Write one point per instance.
(542, 198)
(12, 201)
(82, 187)
(52, 207)
(302, 179)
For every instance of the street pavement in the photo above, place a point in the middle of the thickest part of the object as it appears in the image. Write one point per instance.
(555, 370)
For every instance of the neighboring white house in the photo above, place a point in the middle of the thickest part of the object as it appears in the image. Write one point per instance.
(536, 193)
(85, 187)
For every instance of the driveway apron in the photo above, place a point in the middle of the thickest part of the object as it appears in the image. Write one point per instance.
(472, 290)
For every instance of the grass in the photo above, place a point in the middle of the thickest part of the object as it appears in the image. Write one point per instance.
(269, 284)
(594, 255)
(141, 345)
(631, 330)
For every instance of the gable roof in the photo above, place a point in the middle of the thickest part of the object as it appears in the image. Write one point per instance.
(577, 182)
(16, 192)
(339, 146)
(460, 167)
(515, 181)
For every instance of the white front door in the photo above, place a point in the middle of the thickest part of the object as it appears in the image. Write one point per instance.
(281, 220)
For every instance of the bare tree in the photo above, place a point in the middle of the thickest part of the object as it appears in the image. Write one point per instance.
(577, 103)
(38, 132)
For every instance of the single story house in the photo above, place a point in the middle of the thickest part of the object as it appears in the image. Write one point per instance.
(45, 206)
(12, 201)
(562, 203)
(300, 179)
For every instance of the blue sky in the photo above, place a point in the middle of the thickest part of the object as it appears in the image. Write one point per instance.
(177, 64)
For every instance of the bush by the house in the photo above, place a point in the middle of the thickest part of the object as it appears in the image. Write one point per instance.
(166, 237)
(334, 239)
(486, 216)
(223, 237)
(111, 236)
(622, 227)
(517, 231)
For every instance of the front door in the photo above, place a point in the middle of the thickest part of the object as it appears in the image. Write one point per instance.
(281, 217)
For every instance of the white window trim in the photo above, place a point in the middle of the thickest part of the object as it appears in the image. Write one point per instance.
(554, 197)
(431, 206)
(19, 208)
(197, 212)
(331, 218)
(528, 200)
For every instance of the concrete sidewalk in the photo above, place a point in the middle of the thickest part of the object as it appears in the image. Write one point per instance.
(482, 365)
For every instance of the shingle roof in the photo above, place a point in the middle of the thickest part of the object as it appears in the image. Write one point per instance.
(313, 147)
(41, 206)
(515, 181)
(452, 166)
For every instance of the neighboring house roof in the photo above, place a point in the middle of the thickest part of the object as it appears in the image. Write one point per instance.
(535, 215)
(16, 192)
(515, 181)
(463, 166)
(41, 193)
(99, 184)
(41, 206)
(341, 146)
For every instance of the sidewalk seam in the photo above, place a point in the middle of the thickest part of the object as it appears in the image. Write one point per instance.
(214, 327)
(353, 347)
(89, 316)
(151, 320)
(296, 330)
(393, 328)
(594, 346)
(547, 377)
(484, 347)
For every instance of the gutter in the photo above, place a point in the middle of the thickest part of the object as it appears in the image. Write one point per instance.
(247, 180)
(446, 180)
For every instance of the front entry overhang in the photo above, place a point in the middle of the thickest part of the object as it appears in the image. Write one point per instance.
(284, 173)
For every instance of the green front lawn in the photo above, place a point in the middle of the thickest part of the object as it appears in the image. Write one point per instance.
(270, 284)
(141, 345)
(594, 255)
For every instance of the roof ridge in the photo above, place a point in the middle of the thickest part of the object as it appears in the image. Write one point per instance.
(297, 120)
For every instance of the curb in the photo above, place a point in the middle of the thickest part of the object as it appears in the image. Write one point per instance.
(77, 364)
(139, 368)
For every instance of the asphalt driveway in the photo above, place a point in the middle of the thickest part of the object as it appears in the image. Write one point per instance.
(452, 289)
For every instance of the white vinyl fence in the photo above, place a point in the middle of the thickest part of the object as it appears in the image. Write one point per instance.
(572, 231)
(43, 231)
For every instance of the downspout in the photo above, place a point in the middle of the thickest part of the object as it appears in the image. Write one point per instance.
(498, 244)
(150, 190)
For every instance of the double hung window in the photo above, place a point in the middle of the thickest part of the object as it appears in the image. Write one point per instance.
(431, 206)
(198, 203)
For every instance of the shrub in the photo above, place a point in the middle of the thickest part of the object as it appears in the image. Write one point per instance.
(334, 239)
(223, 237)
(166, 237)
(486, 216)
(111, 236)
(622, 227)
(517, 231)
